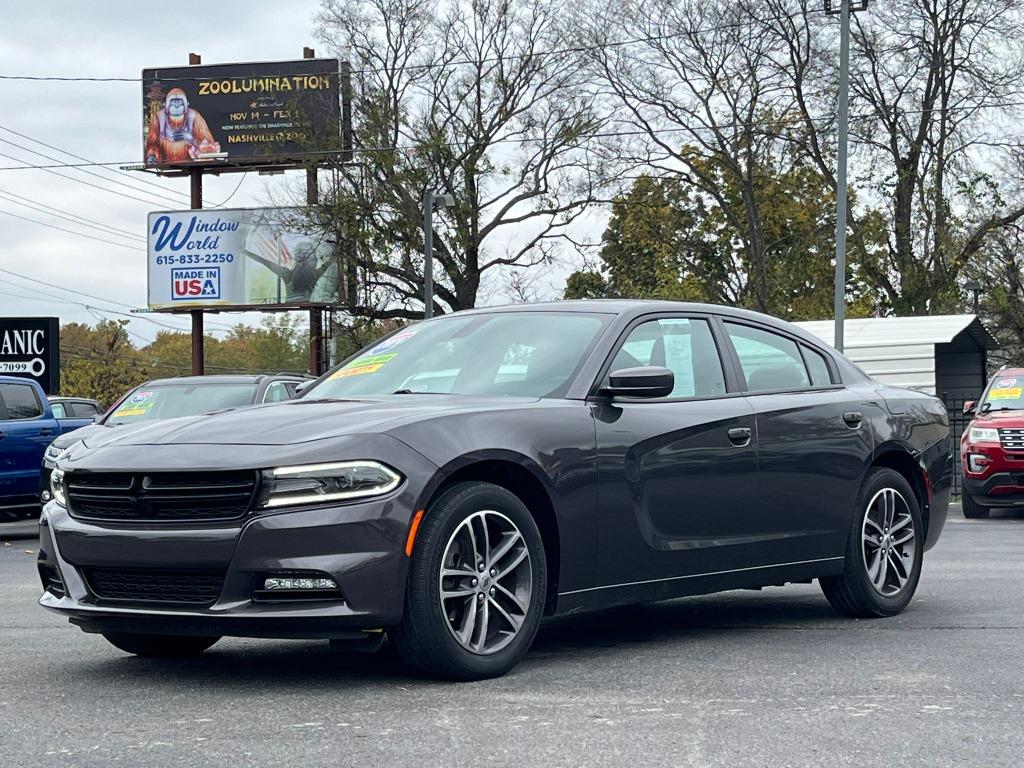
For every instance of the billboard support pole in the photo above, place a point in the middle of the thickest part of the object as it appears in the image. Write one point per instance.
(196, 191)
(316, 336)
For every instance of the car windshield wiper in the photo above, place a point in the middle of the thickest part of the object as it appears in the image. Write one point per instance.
(416, 392)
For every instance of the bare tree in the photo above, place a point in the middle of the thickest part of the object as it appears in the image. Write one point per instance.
(483, 101)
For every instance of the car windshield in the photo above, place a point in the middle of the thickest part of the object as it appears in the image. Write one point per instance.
(168, 401)
(1005, 394)
(526, 354)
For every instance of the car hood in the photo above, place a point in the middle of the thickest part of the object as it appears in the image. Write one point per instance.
(299, 421)
(1013, 418)
(77, 435)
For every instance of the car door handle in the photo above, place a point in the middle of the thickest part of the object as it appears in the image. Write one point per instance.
(3, 435)
(45, 431)
(740, 436)
(853, 419)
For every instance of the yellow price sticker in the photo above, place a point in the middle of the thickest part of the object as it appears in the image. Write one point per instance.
(345, 372)
(1006, 393)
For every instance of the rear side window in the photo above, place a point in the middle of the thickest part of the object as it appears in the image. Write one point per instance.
(20, 401)
(84, 410)
(685, 346)
(769, 361)
(817, 367)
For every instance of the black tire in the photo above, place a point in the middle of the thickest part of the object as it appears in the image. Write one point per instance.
(424, 639)
(159, 646)
(972, 509)
(852, 592)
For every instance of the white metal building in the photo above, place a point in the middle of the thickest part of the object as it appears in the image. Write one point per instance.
(943, 355)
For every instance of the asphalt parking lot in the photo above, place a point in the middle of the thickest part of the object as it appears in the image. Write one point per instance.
(740, 679)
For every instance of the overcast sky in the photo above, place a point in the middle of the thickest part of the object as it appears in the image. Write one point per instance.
(102, 121)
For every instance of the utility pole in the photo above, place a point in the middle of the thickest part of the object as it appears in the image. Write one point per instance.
(196, 203)
(431, 200)
(846, 7)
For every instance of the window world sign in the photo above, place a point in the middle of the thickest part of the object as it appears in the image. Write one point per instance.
(238, 257)
(30, 348)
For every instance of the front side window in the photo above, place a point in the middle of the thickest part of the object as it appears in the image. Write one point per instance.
(524, 354)
(685, 346)
(20, 401)
(770, 362)
(58, 411)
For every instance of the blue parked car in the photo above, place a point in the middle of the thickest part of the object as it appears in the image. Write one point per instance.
(28, 424)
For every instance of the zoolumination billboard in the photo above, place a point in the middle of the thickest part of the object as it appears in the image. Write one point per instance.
(30, 348)
(241, 257)
(255, 113)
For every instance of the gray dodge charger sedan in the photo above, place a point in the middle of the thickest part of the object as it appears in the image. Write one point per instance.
(460, 479)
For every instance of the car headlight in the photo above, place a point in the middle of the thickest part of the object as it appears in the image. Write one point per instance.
(53, 453)
(983, 435)
(57, 487)
(321, 483)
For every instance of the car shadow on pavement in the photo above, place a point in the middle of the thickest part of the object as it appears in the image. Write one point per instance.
(255, 665)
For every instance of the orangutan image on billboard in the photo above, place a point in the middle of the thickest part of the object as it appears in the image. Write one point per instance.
(177, 133)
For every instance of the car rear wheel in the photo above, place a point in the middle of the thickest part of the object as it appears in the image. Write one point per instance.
(972, 509)
(476, 585)
(885, 550)
(159, 646)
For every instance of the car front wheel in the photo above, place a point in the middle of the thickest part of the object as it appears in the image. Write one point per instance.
(972, 509)
(476, 585)
(159, 646)
(884, 552)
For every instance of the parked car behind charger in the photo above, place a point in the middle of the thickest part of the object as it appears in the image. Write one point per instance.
(992, 447)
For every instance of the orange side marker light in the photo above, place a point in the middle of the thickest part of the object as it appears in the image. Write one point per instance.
(416, 520)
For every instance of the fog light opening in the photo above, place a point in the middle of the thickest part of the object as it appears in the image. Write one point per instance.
(295, 586)
(976, 462)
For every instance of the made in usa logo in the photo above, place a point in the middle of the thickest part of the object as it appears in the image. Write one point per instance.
(192, 284)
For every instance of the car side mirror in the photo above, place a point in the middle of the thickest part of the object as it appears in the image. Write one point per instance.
(649, 381)
(301, 386)
(969, 407)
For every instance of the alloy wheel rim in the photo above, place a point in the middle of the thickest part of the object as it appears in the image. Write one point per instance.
(889, 542)
(486, 582)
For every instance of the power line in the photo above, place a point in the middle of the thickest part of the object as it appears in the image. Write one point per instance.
(87, 160)
(447, 64)
(109, 301)
(70, 231)
(72, 217)
(163, 198)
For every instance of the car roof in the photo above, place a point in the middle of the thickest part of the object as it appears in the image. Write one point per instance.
(1008, 372)
(636, 307)
(65, 399)
(210, 380)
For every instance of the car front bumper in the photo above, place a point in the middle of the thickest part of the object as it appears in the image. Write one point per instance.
(1001, 489)
(360, 545)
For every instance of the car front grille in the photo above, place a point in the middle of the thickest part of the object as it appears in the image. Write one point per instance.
(1012, 439)
(180, 587)
(160, 497)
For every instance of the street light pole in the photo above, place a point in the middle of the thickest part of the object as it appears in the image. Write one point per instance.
(431, 200)
(428, 253)
(844, 12)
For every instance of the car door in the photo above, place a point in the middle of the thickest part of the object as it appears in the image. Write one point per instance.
(813, 446)
(24, 435)
(676, 474)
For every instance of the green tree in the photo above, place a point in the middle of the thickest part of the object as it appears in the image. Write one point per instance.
(666, 239)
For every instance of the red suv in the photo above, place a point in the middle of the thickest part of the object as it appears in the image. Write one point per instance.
(992, 446)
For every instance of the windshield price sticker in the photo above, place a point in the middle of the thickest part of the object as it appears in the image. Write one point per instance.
(138, 404)
(394, 341)
(1006, 393)
(365, 364)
